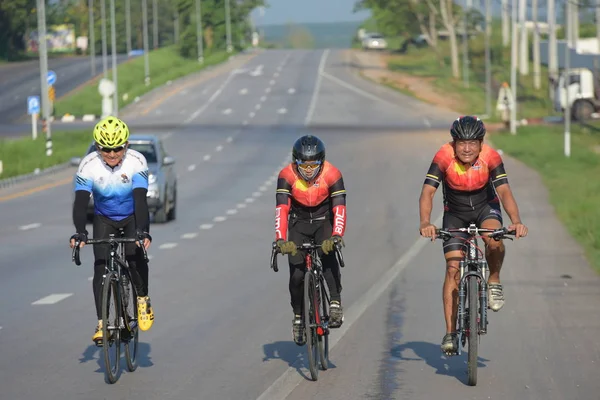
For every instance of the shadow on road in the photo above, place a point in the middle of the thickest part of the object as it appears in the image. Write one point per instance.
(294, 355)
(94, 353)
(430, 353)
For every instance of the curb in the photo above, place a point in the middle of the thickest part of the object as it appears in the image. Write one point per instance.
(4, 183)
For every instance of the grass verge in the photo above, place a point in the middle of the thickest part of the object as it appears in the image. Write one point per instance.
(24, 155)
(573, 184)
(165, 64)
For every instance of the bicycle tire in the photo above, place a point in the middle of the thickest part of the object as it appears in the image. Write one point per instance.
(111, 335)
(131, 326)
(324, 339)
(473, 295)
(310, 324)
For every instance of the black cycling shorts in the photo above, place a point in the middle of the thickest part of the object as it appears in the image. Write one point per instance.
(463, 219)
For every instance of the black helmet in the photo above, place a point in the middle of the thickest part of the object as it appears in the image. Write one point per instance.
(308, 148)
(468, 128)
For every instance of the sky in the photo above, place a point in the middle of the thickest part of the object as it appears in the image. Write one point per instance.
(301, 11)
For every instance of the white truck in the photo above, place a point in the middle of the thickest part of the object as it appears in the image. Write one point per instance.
(584, 93)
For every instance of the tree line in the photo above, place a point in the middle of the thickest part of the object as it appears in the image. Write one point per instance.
(19, 17)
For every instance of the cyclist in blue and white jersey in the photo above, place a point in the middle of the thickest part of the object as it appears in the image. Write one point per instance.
(118, 179)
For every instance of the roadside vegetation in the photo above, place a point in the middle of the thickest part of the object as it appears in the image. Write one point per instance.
(573, 183)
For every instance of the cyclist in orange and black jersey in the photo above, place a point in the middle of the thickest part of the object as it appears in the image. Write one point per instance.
(474, 183)
(311, 204)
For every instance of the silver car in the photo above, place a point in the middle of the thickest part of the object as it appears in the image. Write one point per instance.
(374, 41)
(162, 179)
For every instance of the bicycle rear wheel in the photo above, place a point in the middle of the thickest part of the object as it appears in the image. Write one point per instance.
(111, 335)
(323, 338)
(310, 325)
(130, 317)
(473, 329)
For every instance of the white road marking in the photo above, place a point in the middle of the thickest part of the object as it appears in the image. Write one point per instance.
(231, 211)
(355, 89)
(244, 91)
(269, 182)
(229, 139)
(210, 100)
(52, 299)
(245, 122)
(286, 383)
(257, 71)
(258, 106)
(271, 82)
(91, 278)
(241, 205)
(220, 218)
(281, 111)
(227, 111)
(192, 167)
(427, 123)
(252, 114)
(291, 90)
(190, 235)
(249, 200)
(30, 226)
(315, 95)
(206, 226)
(268, 90)
(256, 194)
(276, 74)
(167, 246)
(206, 157)
(219, 148)
(263, 98)
(262, 188)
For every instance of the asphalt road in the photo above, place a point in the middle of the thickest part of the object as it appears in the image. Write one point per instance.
(223, 320)
(20, 80)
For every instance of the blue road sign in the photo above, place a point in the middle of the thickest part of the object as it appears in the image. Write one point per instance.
(51, 77)
(33, 105)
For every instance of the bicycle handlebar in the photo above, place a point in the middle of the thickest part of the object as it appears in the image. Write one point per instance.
(75, 256)
(496, 234)
(306, 246)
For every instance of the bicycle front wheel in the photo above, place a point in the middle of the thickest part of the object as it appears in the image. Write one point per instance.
(111, 335)
(473, 329)
(324, 337)
(310, 324)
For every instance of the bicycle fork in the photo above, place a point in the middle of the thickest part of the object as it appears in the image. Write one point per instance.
(463, 311)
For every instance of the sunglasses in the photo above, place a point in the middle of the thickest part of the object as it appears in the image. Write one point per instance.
(109, 149)
(308, 164)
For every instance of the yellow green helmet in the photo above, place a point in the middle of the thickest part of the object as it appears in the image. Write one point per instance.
(111, 132)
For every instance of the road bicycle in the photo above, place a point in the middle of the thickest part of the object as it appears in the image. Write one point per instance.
(472, 319)
(316, 304)
(119, 306)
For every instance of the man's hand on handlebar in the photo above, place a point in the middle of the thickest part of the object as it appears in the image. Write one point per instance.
(287, 247)
(78, 237)
(520, 230)
(428, 230)
(329, 244)
(143, 237)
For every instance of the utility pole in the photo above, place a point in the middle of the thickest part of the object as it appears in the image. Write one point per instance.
(228, 26)
(513, 70)
(92, 38)
(155, 22)
(199, 32)
(575, 22)
(488, 64)
(465, 49)
(128, 25)
(536, 48)
(104, 50)
(552, 47)
(145, 36)
(524, 61)
(567, 80)
(505, 24)
(43, 54)
(113, 45)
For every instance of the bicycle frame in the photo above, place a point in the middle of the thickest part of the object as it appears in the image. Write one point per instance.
(314, 266)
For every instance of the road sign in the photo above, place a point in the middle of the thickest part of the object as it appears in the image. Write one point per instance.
(51, 77)
(33, 105)
(51, 93)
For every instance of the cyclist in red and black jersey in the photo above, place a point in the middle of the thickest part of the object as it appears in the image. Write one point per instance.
(311, 204)
(474, 183)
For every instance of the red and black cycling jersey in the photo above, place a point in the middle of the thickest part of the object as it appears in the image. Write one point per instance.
(323, 198)
(467, 187)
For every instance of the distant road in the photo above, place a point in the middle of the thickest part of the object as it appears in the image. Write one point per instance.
(22, 79)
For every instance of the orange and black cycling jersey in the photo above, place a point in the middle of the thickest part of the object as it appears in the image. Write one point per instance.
(467, 187)
(323, 198)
